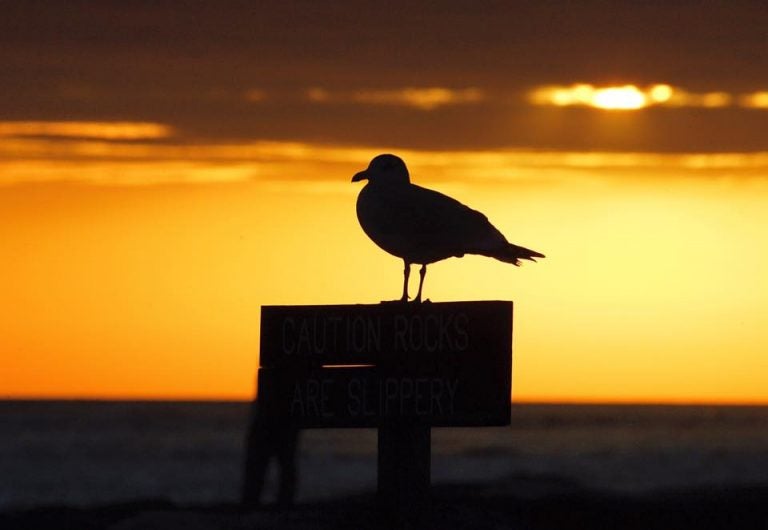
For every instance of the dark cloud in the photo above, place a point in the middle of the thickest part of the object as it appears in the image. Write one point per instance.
(190, 63)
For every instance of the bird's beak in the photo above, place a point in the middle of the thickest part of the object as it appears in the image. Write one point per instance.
(360, 175)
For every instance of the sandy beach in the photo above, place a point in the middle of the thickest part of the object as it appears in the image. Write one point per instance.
(462, 507)
(122, 465)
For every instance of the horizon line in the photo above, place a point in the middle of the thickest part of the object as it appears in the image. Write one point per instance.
(671, 402)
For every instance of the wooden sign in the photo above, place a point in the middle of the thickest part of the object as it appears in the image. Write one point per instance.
(370, 334)
(439, 364)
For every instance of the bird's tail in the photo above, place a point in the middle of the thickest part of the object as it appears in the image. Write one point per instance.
(513, 254)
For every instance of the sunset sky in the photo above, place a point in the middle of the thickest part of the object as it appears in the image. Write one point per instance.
(167, 168)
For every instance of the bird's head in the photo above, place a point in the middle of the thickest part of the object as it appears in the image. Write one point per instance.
(384, 169)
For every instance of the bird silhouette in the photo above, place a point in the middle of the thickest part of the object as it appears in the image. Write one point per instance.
(423, 226)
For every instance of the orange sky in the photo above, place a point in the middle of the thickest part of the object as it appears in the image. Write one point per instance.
(652, 289)
(165, 172)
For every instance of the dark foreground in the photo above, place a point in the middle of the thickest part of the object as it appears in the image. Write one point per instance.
(453, 506)
(556, 466)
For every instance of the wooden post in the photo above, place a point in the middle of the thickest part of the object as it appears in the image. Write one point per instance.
(404, 469)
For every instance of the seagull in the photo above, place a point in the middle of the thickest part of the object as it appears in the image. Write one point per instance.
(423, 226)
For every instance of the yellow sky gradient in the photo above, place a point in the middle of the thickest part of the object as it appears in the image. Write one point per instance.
(164, 173)
(653, 288)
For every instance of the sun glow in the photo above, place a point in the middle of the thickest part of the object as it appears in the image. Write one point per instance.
(619, 98)
(626, 97)
(632, 97)
(660, 93)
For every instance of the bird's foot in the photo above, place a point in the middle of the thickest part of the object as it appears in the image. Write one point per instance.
(419, 300)
(401, 301)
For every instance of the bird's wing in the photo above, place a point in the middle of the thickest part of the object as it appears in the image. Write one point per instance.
(446, 223)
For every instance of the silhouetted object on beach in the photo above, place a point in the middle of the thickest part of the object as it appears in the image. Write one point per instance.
(268, 439)
(401, 368)
(424, 226)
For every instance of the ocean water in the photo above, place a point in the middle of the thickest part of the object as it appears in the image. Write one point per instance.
(87, 453)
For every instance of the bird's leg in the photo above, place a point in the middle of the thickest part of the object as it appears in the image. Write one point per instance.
(406, 275)
(422, 273)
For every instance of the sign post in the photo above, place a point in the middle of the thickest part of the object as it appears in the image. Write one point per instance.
(404, 467)
(401, 368)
